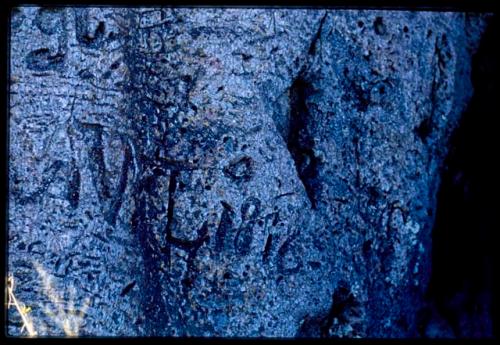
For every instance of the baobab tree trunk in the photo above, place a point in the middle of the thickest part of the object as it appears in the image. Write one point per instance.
(229, 172)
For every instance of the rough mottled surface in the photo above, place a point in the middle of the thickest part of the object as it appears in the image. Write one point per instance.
(230, 172)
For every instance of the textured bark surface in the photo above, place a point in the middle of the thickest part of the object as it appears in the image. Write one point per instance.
(230, 172)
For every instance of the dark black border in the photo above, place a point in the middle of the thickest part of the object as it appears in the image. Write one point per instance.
(483, 6)
(4, 72)
(414, 5)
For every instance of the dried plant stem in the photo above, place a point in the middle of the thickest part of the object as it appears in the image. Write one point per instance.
(27, 322)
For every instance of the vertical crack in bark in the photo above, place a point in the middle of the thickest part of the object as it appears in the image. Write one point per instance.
(161, 317)
(295, 126)
(441, 56)
(317, 36)
(300, 142)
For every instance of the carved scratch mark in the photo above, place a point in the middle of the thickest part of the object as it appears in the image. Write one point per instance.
(127, 289)
(225, 225)
(172, 186)
(267, 248)
(74, 186)
(96, 163)
(116, 202)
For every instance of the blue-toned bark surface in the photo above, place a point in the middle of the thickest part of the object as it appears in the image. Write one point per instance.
(230, 172)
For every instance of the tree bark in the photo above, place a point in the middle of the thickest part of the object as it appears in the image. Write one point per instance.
(230, 172)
